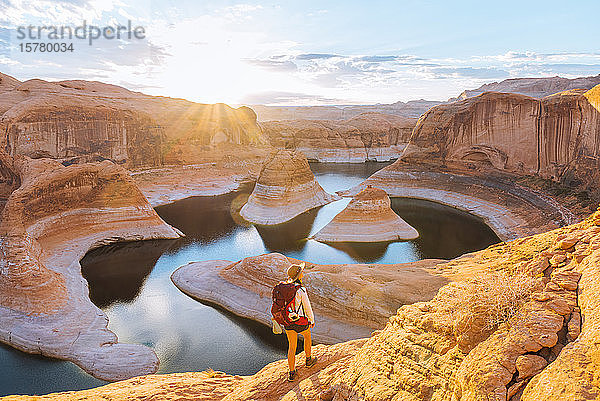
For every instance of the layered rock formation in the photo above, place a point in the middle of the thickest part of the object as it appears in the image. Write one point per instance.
(75, 120)
(519, 321)
(511, 210)
(552, 137)
(286, 187)
(534, 87)
(48, 224)
(369, 136)
(350, 301)
(410, 109)
(367, 218)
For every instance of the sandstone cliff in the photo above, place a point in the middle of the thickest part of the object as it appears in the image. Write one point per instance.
(369, 136)
(94, 121)
(367, 218)
(49, 222)
(519, 321)
(556, 137)
(534, 87)
(286, 187)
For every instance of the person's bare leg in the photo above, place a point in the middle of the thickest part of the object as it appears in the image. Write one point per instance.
(292, 343)
(307, 343)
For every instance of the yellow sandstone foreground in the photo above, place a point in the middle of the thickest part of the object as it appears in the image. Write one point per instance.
(539, 342)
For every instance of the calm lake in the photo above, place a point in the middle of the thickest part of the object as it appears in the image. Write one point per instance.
(131, 282)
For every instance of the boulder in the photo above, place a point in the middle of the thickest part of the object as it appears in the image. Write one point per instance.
(367, 218)
(530, 365)
(286, 187)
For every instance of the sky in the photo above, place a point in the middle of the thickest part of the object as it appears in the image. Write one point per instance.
(306, 52)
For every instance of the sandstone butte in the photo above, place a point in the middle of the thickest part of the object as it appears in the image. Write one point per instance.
(52, 218)
(286, 187)
(367, 218)
(350, 300)
(547, 350)
(91, 121)
(366, 137)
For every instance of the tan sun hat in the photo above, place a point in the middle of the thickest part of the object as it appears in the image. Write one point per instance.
(294, 270)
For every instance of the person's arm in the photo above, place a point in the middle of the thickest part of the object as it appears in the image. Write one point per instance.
(307, 307)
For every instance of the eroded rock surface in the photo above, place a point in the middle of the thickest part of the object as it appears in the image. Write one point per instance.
(366, 137)
(510, 209)
(82, 120)
(555, 137)
(367, 218)
(286, 187)
(350, 301)
(545, 349)
(48, 224)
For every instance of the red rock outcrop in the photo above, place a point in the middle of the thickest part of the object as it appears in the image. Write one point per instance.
(556, 137)
(92, 120)
(368, 136)
(49, 222)
(367, 218)
(286, 187)
(350, 301)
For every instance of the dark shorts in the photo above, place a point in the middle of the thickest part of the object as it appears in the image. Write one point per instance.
(298, 328)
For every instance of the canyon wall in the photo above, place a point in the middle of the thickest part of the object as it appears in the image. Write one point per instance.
(369, 136)
(54, 216)
(556, 137)
(90, 121)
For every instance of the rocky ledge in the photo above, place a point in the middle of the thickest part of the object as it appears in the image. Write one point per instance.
(518, 321)
(50, 221)
(286, 187)
(350, 301)
(367, 218)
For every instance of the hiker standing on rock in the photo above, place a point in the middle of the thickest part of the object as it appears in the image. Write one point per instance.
(291, 308)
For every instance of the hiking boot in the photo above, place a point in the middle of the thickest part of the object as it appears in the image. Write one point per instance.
(292, 375)
(311, 361)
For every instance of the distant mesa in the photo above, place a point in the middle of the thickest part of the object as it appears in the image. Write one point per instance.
(286, 187)
(533, 87)
(367, 218)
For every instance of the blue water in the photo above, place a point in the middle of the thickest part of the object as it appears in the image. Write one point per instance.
(131, 282)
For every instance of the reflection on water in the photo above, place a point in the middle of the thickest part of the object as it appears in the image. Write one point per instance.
(363, 252)
(120, 282)
(131, 282)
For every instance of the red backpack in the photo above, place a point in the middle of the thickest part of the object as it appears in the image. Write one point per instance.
(284, 308)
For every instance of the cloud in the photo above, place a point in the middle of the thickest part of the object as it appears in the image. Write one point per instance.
(315, 56)
(274, 65)
(289, 98)
(467, 72)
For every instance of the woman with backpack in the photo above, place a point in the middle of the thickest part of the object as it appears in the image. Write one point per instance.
(303, 320)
